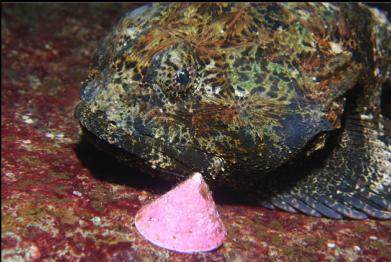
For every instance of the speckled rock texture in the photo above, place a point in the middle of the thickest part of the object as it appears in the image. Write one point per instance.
(63, 200)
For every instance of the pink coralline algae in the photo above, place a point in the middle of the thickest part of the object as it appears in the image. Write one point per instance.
(185, 219)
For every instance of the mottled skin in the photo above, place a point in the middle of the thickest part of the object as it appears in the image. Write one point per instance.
(245, 92)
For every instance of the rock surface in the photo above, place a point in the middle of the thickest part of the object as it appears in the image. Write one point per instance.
(63, 200)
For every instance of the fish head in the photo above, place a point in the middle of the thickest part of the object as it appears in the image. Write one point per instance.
(214, 88)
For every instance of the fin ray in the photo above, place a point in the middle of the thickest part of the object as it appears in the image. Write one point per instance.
(353, 181)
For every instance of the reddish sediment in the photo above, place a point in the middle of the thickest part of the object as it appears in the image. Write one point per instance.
(54, 205)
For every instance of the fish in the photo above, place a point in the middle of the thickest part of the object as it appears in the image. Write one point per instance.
(282, 101)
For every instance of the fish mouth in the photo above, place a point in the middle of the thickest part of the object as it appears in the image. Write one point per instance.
(182, 160)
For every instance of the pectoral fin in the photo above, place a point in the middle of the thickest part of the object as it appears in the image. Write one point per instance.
(354, 181)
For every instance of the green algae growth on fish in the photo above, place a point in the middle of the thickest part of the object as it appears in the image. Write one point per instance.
(281, 101)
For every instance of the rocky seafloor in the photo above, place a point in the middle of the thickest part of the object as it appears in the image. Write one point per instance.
(63, 200)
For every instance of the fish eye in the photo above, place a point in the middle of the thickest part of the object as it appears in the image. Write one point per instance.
(175, 72)
(183, 77)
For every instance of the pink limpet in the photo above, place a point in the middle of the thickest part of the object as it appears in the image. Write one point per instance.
(184, 219)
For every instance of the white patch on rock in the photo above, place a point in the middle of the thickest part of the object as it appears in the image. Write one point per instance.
(27, 119)
(96, 221)
(77, 193)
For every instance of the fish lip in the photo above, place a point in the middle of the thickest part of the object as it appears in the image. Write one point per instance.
(189, 158)
(125, 155)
